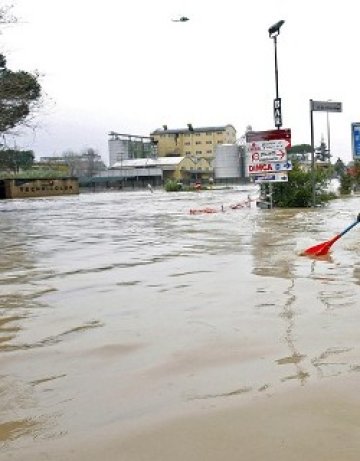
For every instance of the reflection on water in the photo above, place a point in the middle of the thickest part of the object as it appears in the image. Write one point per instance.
(129, 298)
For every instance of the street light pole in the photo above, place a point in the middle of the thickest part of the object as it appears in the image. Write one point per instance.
(274, 31)
(276, 68)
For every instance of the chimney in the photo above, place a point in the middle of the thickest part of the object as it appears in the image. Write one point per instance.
(165, 127)
(190, 127)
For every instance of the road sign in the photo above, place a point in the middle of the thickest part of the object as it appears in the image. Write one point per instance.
(279, 144)
(277, 112)
(355, 138)
(325, 106)
(264, 147)
(268, 156)
(269, 167)
(283, 166)
(275, 177)
(269, 135)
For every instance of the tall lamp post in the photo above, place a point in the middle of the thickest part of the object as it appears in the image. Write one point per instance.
(274, 31)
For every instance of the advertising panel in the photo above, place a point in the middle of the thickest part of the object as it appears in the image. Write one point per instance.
(355, 140)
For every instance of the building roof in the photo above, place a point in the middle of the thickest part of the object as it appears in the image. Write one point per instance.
(148, 162)
(186, 130)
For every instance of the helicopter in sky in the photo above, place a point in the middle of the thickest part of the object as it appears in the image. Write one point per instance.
(181, 19)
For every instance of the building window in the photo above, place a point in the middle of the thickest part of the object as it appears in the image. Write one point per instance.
(198, 142)
(219, 142)
(219, 132)
(209, 151)
(198, 152)
(197, 134)
(208, 142)
(208, 133)
(188, 152)
(187, 143)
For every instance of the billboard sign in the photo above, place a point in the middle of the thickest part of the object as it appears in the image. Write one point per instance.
(355, 140)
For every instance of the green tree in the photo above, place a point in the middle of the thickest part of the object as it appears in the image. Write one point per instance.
(339, 167)
(297, 192)
(12, 161)
(356, 174)
(345, 183)
(20, 92)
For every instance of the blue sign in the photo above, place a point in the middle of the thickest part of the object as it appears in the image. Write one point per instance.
(355, 135)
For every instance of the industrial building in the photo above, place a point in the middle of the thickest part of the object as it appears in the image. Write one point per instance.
(129, 147)
(194, 142)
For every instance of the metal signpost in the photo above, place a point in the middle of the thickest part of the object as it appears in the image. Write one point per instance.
(319, 106)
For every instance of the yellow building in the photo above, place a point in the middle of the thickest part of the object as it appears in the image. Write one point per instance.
(192, 142)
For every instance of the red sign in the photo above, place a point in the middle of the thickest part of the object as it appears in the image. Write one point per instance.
(269, 135)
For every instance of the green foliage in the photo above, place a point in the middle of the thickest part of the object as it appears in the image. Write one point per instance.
(12, 161)
(355, 170)
(172, 186)
(297, 192)
(339, 167)
(19, 93)
(345, 184)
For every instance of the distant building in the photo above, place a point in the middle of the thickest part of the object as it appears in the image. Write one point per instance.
(194, 142)
(156, 171)
(129, 147)
(86, 164)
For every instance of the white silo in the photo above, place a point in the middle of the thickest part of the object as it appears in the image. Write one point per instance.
(227, 161)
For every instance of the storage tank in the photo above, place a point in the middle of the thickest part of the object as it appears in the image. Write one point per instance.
(118, 150)
(227, 161)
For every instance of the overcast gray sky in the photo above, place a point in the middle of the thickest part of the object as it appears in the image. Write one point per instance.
(123, 65)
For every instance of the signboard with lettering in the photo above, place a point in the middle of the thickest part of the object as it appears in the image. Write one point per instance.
(268, 156)
(325, 106)
(270, 135)
(257, 168)
(277, 112)
(266, 153)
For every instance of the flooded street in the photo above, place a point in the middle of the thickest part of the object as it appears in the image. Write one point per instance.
(132, 330)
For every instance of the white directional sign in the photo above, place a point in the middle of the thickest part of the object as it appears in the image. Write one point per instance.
(278, 144)
(326, 106)
(268, 156)
(275, 177)
(257, 168)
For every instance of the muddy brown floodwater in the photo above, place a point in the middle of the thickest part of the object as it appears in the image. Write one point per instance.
(132, 330)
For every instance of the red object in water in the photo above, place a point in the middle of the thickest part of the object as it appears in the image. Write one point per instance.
(322, 249)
